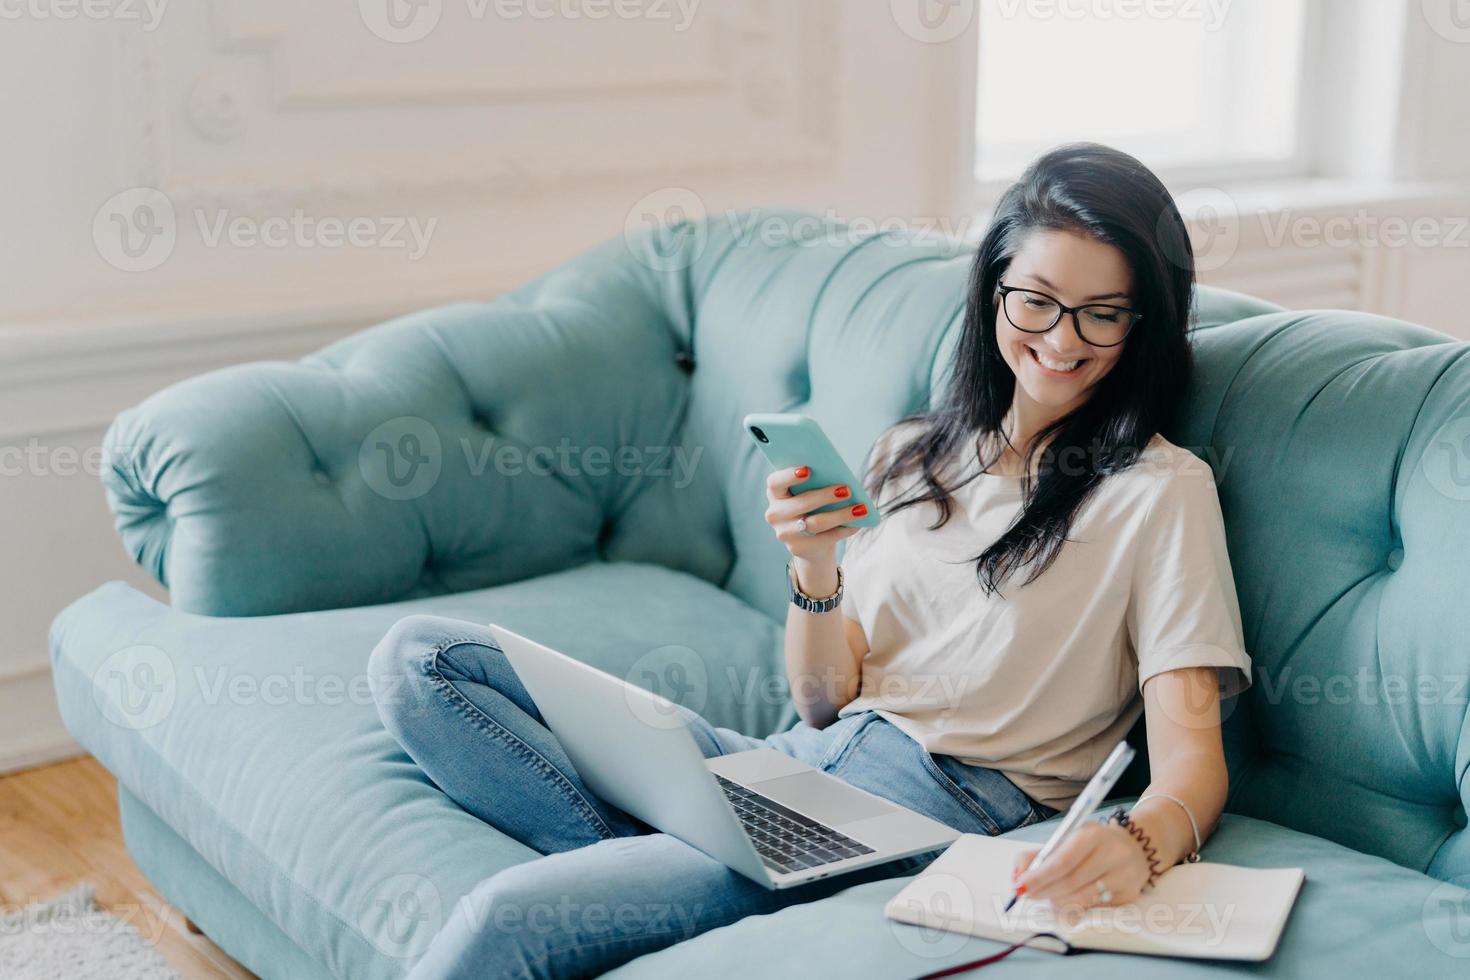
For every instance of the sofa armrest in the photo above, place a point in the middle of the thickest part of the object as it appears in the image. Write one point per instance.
(456, 448)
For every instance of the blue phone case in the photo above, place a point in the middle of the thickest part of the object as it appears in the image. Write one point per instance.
(795, 440)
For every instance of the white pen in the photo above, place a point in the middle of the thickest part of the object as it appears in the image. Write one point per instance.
(1089, 800)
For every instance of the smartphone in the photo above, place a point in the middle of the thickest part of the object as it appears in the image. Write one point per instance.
(795, 440)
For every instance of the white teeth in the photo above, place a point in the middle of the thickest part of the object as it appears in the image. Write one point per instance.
(1047, 362)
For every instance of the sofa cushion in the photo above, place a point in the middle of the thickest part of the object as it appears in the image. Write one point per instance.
(257, 742)
(1356, 916)
(1337, 441)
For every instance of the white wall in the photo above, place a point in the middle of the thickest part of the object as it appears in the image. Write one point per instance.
(511, 141)
(518, 140)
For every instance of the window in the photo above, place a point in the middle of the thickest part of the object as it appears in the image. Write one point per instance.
(1187, 86)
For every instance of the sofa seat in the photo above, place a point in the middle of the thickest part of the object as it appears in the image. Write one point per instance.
(256, 742)
(1357, 916)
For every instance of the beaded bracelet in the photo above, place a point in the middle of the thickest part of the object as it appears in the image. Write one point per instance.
(1150, 854)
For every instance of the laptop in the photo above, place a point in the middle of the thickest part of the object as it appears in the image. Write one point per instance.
(777, 821)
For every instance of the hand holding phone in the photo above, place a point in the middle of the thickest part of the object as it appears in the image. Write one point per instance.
(812, 489)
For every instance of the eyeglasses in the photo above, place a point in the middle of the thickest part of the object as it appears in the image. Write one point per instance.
(1098, 324)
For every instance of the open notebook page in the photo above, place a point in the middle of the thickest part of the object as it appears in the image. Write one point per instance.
(1213, 911)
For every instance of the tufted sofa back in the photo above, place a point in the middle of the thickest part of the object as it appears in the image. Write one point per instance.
(594, 414)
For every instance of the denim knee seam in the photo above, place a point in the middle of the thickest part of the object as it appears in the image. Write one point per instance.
(491, 727)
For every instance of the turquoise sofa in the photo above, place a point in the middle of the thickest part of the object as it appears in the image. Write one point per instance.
(568, 461)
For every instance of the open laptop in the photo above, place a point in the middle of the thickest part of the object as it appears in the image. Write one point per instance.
(762, 813)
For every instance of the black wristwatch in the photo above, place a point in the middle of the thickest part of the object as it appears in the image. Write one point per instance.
(801, 600)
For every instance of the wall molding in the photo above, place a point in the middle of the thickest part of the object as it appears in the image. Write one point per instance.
(42, 351)
(1307, 272)
(765, 59)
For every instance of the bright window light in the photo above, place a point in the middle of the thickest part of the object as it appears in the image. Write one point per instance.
(1181, 85)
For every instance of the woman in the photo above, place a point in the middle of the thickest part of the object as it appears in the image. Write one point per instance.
(1048, 566)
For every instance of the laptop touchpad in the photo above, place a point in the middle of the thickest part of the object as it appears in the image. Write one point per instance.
(823, 798)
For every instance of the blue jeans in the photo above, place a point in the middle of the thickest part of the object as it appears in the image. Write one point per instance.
(608, 889)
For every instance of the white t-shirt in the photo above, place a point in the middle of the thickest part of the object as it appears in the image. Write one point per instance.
(1042, 680)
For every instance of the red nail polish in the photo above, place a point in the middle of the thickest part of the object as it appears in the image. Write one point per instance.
(802, 472)
(861, 510)
(1020, 889)
(841, 493)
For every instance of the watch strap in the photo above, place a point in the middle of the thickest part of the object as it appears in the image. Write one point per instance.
(813, 604)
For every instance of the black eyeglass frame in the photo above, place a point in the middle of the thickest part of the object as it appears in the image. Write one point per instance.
(1062, 310)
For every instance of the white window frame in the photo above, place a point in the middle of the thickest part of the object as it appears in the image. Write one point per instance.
(1306, 163)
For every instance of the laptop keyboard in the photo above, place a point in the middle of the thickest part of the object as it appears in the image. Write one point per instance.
(786, 840)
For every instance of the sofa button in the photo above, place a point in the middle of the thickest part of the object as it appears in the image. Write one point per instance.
(322, 477)
(1395, 559)
(685, 360)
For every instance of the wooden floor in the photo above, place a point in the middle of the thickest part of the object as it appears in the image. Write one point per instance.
(59, 826)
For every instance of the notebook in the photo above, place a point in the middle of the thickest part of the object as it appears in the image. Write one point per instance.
(1201, 910)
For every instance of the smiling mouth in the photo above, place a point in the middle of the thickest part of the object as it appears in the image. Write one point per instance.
(1053, 365)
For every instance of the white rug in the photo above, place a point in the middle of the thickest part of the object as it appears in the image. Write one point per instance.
(70, 938)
